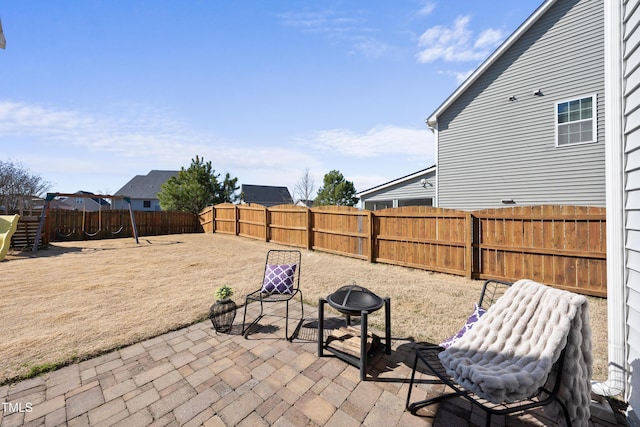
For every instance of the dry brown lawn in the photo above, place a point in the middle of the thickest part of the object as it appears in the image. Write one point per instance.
(79, 299)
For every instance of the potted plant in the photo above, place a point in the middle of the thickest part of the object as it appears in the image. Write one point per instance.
(223, 312)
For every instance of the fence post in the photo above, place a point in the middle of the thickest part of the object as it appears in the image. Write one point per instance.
(309, 229)
(371, 254)
(213, 218)
(469, 245)
(267, 221)
(236, 219)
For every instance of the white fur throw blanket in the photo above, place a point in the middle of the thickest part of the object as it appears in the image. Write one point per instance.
(509, 353)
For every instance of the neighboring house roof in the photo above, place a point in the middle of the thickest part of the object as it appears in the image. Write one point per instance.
(266, 195)
(98, 200)
(433, 119)
(305, 202)
(397, 181)
(62, 204)
(146, 186)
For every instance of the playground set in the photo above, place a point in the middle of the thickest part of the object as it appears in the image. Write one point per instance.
(84, 226)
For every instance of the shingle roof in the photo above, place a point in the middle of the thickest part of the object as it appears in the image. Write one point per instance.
(99, 201)
(266, 195)
(397, 181)
(146, 186)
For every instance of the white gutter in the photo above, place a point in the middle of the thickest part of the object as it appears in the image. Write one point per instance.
(614, 154)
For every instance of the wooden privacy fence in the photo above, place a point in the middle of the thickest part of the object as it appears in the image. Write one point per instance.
(563, 246)
(65, 225)
(560, 245)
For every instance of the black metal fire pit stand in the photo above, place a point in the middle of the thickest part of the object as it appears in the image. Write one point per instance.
(360, 362)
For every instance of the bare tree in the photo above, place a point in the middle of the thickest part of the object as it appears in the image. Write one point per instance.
(18, 184)
(304, 188)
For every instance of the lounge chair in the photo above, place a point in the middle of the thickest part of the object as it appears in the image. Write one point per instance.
(513, 358)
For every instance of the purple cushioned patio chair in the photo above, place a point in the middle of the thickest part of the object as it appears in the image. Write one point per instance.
(280, 283)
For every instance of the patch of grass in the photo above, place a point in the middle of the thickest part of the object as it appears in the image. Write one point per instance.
(36, 370)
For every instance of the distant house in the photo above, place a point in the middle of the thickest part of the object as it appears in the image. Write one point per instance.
(416, 189)
(265, 195)
(64, 203)
(305, 203)
(527, 127)
(88, 204)
(143, 191)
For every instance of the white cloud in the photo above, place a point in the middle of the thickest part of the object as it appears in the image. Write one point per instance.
(347, 30)
(426, 8)
(93, 152)
(460, 76)
(370, 47)
(66, 143)
(489, 39)
(456, 43)
(326, 22)
(378, 141)
(127, 136)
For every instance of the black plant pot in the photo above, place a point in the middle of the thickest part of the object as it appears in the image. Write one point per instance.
(222, 314)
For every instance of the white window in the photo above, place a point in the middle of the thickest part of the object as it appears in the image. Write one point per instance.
(378, 204)
(576, 121)
(416, 202)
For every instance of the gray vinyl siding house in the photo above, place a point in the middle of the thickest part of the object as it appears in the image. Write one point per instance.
(496, 135)
(143, 191)
(622, 68)
(416, 189)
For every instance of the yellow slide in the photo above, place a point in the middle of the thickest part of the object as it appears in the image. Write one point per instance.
(8, 225)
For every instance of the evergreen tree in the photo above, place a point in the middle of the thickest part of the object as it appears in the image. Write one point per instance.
(196, 188)
(336, 191)
(229, 188)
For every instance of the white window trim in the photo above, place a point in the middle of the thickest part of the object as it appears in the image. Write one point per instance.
(594, 119)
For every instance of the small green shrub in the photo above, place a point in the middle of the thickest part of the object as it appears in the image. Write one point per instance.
(224, 292)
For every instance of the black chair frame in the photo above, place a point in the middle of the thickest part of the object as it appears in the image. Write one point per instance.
(277, 257)
(428, 355)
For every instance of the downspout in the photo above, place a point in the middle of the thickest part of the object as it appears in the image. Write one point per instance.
(433, 127)
(614, 155)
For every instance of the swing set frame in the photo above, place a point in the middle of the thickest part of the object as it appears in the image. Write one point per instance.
(51, 196)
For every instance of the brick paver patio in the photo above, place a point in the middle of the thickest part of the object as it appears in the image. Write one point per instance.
(194, 376)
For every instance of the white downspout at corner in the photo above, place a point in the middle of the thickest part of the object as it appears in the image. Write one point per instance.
(433, 127)
(614, 155)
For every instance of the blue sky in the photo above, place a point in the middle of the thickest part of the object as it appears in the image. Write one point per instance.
(94, 92)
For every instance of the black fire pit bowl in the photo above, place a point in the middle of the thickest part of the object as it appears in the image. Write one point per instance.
(353, 299)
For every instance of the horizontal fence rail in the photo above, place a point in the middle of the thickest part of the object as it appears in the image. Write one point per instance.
(563, 246)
